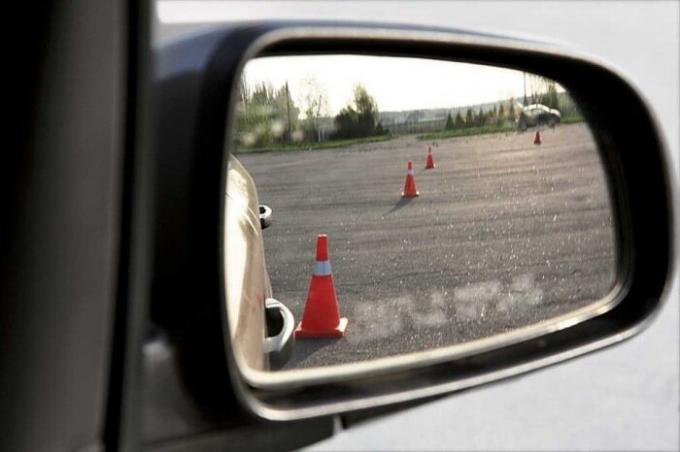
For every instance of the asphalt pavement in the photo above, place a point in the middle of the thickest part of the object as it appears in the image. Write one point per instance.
(504, 234)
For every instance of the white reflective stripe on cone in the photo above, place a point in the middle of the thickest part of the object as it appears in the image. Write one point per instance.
(322, 268)
(410, 172)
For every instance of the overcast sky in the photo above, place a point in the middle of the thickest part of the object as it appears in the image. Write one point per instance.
(395, 83)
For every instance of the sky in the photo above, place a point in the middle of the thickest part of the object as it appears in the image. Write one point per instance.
(396, 83)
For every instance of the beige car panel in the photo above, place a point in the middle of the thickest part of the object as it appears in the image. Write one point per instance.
(247, 281)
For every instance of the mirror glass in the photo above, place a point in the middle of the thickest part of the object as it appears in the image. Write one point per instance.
(378, 207)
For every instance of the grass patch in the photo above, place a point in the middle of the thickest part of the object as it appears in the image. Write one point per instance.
(487, 129)
(467, 132)
(331, 144)
(572, 119)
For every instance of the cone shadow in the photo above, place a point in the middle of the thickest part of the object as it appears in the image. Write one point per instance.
(400, 204)
(304, 348)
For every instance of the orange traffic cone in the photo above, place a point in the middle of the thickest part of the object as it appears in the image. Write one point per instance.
(410, 190)
(430, 160)
(322, 314)
(537, 139)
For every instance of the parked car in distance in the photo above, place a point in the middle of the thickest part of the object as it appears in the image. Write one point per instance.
(538, 114)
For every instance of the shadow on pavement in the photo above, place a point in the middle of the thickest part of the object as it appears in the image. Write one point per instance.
(305, 348)
(402, 203)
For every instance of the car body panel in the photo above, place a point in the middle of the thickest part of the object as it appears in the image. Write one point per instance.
(247, 283)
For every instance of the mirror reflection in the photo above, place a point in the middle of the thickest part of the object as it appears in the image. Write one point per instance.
(379, 206)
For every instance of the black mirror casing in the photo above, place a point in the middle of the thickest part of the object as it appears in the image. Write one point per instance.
(193, 93)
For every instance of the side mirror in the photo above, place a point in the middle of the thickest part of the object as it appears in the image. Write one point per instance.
(211, 283)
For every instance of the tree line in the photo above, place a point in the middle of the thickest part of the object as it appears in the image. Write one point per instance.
(481, 118)
(270, 115)
(359, 118)
(541, 91)
(267, 115)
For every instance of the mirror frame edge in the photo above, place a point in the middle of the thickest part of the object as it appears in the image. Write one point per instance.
(602, 331)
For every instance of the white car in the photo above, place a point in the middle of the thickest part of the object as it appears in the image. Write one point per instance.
(538, 114)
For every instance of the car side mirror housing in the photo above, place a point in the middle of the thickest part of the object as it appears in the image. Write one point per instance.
(196, 91)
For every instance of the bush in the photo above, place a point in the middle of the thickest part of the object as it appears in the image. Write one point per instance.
(359, 118)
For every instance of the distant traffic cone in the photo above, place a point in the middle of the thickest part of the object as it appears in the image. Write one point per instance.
(430, 160)
(410, 190)
(537, 139)
(322, 314)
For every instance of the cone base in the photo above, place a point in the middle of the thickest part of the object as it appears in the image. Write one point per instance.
(338, 331)
(430, 167)
(410, 195)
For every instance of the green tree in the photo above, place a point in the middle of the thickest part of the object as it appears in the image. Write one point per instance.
(367, 111)
(360, 118)
(315, 106)
(549, 98)
(265, 115)
(543, 90)
(346, 122)
(501, 112)
(459, 123)
(285, 114)
(481, 118)
(449, 122)
(254, 120)
(469, 118)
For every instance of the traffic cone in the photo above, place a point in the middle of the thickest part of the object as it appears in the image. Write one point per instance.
(430, 160)
(410, 190)
(321, 318)
(537, 139)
